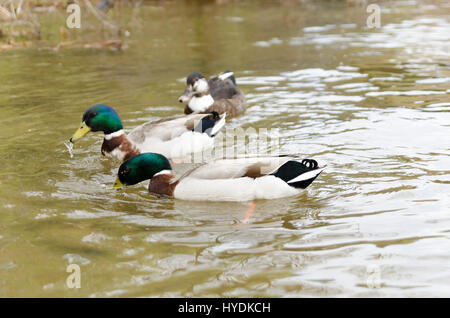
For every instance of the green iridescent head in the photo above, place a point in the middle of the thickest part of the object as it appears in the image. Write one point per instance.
(141, 167)
(98, 118)
(102, 118)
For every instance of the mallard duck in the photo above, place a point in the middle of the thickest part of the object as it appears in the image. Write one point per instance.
(174, 137)
(237, 179)
(219, 94)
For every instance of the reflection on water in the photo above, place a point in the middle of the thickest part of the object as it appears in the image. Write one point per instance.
(374, 104)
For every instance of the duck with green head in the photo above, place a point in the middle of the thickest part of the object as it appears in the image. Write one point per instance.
(175, 137)
(236, 179)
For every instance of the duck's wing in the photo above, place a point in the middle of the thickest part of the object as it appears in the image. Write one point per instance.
(222, 89)
(232, 106)
(245, 166)
(165, 129)
(227, 96)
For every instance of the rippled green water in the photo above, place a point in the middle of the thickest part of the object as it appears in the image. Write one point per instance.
(374, 104)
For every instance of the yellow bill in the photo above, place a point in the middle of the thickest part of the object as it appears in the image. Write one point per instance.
(117, 184)
(81, 131)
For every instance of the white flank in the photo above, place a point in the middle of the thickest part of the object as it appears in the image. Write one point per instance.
(200, 104)
(179, 147)
(224, 76)
(239, 189)
(114, 134)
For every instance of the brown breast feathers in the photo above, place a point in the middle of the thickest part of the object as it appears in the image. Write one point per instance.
(160, 185)
(122, 143)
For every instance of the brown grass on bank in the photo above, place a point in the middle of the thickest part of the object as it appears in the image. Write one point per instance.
(20, 27)
(18, 20)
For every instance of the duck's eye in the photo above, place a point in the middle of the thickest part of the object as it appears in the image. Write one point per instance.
(125, 171)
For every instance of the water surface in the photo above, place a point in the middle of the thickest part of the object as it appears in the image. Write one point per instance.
(373, 103)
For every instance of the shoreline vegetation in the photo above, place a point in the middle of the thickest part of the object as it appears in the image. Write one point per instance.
(42, 23)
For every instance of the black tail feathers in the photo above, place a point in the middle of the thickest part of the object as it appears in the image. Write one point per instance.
(207, 123)
(292, 169)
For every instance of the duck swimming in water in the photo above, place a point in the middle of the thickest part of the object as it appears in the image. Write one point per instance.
(174, 137)
(236, 179)
(220, 94)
